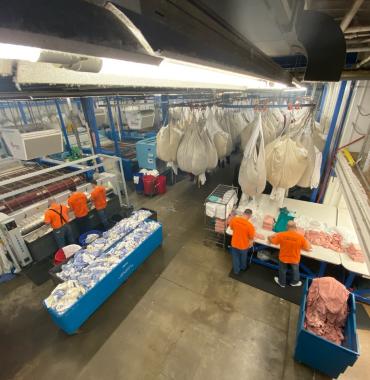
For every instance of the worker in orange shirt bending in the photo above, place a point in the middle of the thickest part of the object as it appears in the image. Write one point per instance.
(77, 201)
(99, 198)
(291, 242)
(57, 216)
(242, 240)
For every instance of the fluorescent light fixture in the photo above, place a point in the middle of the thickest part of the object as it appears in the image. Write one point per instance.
(294, 89)
(184, 72)
(169, 73)
(23, 53)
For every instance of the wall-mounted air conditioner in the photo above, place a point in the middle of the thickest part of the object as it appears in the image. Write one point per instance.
(30, 145)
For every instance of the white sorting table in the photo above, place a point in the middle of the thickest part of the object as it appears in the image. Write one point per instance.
(344, 220)
(323, 213)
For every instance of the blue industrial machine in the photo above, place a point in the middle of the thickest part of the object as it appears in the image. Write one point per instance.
(146, 153)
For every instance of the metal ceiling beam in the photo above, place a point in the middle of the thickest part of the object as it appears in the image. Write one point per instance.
(355, 74)
(358, 29)
(350, 14)
(356, 35)
(358, 49)
(365, 60)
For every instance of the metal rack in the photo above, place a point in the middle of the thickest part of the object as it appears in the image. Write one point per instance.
(222, 200)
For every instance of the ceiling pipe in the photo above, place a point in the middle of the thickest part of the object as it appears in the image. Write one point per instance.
(358, 41)
(361, 63)
(355, 74)
(358, 49)
(350, 14)
(358, 29)
(356, 35)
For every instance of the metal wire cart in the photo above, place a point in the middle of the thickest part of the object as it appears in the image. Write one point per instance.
(217, 208)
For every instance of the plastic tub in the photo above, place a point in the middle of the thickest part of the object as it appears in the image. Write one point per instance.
(321, 354)
(59, 257)
(138, 181)
(161, 184)
(149, 184)
(71, 320)
(82, 238)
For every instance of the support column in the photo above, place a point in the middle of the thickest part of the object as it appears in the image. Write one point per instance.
(165, 109)
(63, 126)
(113, 128)
(327, 149)
(120, 120)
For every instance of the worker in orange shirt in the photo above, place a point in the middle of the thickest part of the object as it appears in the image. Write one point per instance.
(242, 240)
(77, 202)
(99, 198)
(291, 243)
(57, 216)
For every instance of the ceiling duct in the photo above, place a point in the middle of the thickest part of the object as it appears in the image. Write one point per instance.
(71, 26)
(190, 31)
(325, 46)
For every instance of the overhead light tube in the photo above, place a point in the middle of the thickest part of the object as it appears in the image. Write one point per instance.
(23, 53)
(184, 72)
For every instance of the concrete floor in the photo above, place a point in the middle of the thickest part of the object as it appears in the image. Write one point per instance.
(178, 317)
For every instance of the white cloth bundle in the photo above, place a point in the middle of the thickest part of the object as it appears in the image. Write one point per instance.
(306, 141)
(64, 296)
(247, 133)
(316, 175)
(252, 173)
(163, 141)
(70, 250)
(191, 154)
(212, 157)
(249, 115)
(221, 118)
(319, 138)
(168, 140)
(220, 138)
(237, 124)
(269, 128)
(286, 162)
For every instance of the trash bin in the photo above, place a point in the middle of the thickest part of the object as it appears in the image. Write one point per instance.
(149, 182)
(319, 353)
(161, 184)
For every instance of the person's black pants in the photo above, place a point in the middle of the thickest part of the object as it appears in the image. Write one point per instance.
(83, 224)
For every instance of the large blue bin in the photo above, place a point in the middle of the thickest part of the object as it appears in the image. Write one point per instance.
(321, 354)
(146, 153)
(76, 315)
(139, 186)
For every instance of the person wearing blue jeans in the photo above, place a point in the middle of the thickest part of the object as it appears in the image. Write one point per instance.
(103, 218)
(291, 243)
(283, 267)
(242, 239)
(63, 235)
(57, 217)
(240, 259)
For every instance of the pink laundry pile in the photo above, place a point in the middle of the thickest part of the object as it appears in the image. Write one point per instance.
(327, 309)
(333, 241)
(260, 236)
(220, 226)
(355, 253)
(268, 223)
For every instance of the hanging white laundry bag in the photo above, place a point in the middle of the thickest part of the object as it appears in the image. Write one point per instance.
(252, 173)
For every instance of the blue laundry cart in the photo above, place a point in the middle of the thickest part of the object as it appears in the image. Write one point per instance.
(319, 353)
